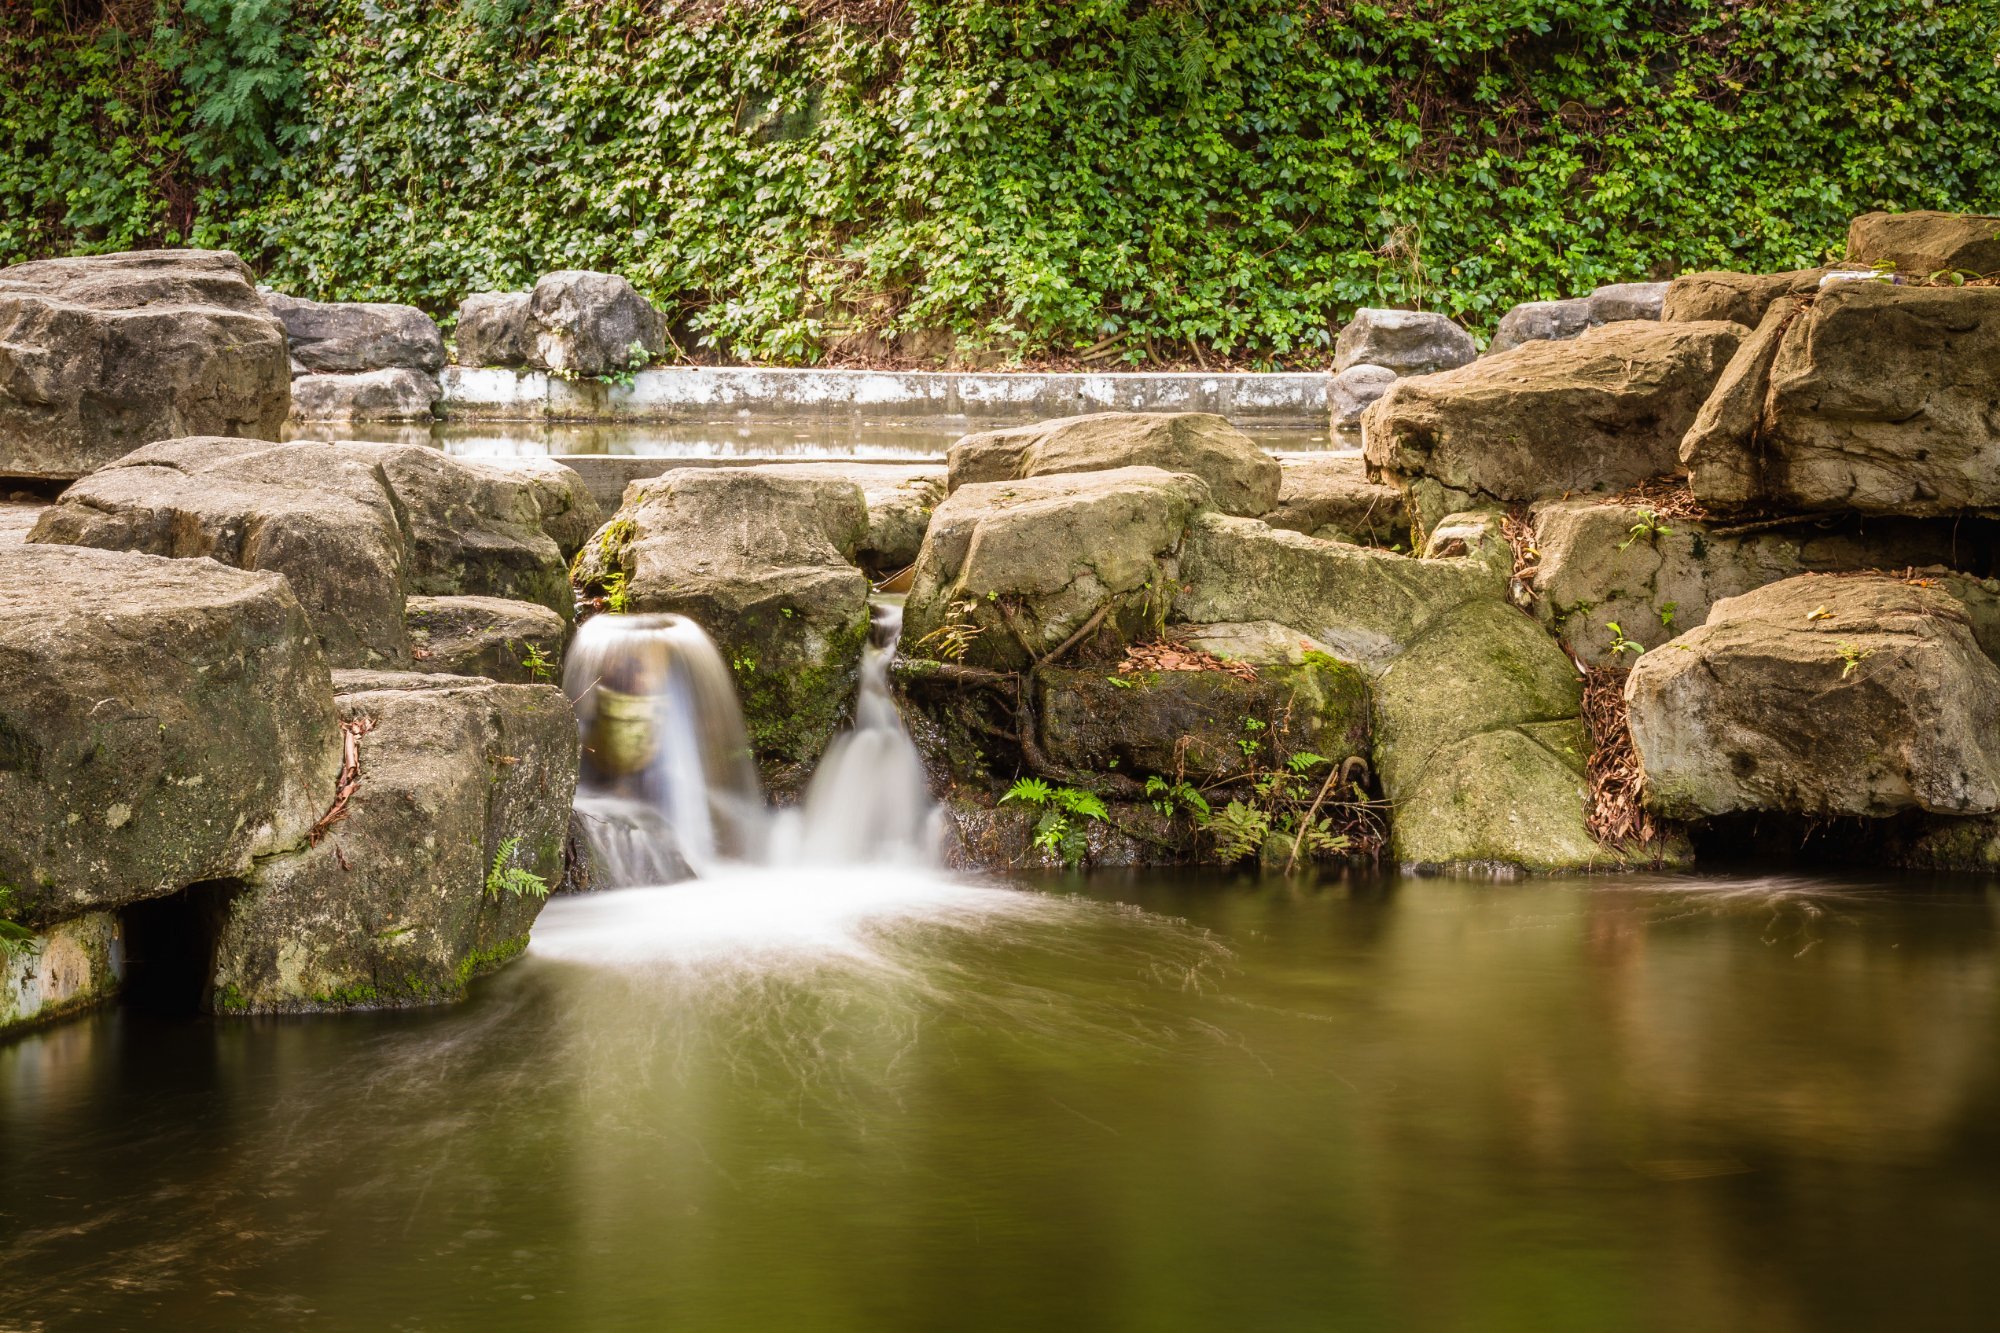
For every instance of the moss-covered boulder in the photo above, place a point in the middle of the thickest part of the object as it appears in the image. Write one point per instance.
(761, 558)
(502, 640)
(451, 839)
(1010, 570)
(1821, 695)
(1241, 478)
(161, 722)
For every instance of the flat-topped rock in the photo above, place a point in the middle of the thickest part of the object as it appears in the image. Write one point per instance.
(492, 637)
(1740, 298)
(1241, 478)
(900, 502)
(1923, 243)
(342, 337)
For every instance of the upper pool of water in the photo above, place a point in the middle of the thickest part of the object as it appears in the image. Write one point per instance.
(879, 1100)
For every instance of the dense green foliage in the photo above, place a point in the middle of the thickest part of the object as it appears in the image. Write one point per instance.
(1035, 175)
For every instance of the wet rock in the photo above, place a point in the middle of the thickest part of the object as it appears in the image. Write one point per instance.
(1620, 301)
(1549, 418)
(1011, 569)
(1868, 398)
(1353, 389)
(1540, 321)
(587, 323)
(1330, 496)
(1924, 243)
(761, 558)
(1409, 342)
(101, 354)
(900, 501)
(440, 866)
(374, 395)
(69, 967)
(343, 337)
(162, 722)
(503, 640)
(1741, 298)
(494, 329)
(1241, 478)
(1821, 695)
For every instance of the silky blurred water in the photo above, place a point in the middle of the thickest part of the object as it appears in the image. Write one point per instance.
(881, 1099)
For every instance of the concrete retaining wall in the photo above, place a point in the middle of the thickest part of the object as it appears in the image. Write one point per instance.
(693, 392)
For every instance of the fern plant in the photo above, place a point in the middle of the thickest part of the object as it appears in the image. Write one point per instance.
(1066, 813)
(508, 878)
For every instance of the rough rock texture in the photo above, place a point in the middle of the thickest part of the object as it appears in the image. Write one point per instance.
(567, 510)
(1330, 496)
(354, 527)
(69, 967)
(588, 323)
(1868, 397)
(1925, 243)
(372, 395)
(18, 515)
(1620, 301)
(1821, 695)
(1601, 564)
(101, 354)
(404, 900)
(1192, 723)
(486, 636)
(342, 337)
(1549, 418)
(1353, 389)
(1740, 298)
(900, 502)
(161, 722)
(1241, 478)
(494, 329)
(1409, 342)
(761, 558)
(1540, 321)
(1012, 569)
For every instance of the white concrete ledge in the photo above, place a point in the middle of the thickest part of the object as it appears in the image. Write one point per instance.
(678, 393)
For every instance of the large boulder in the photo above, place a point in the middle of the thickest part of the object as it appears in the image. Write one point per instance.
(341, 337)
(354, 527)
(1868, 397)
(1601, 564)
(101, 354)
(1821, 695)
(1540, 321)
(900, 501)
(1924, 243)
(1409, 342)
(587, 323)
(162, 722)
(1241, 478)
(370, 395)
(1330, 496)
(494, 637)
(494, 329)
(1740, 298)
(1617, 302)
(761, 558)
(450, 841)
(1350, 392)
(566, 508)
(1549, 418)
(1011, 570)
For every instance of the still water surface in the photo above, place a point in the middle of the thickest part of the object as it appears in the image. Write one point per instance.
(878, 1100)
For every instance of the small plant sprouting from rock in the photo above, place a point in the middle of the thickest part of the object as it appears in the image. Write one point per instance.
(1667, 614)
(617, 595)
(951, 639)
(1621, 644)
(507, 878)
(540, 666)
(1649, 528)
(16, 940)
(1851, 656)
(1170, 798)
(1065, 815)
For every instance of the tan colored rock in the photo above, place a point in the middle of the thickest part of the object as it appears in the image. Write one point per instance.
(1330, 496)
(1924, 243)
(1739, 298)
(495, 637)
(1241, 478)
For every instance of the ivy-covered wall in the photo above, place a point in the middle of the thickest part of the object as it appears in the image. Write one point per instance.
(1035, 175)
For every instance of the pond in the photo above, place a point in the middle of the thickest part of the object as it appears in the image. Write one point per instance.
(885, 1099)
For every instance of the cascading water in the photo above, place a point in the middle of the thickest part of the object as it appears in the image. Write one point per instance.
(668, 789)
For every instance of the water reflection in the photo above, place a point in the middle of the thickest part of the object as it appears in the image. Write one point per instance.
(884, 1100)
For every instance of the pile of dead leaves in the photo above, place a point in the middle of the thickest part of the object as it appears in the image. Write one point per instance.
(1666, 497)
(1165, 655)
(1618, 815)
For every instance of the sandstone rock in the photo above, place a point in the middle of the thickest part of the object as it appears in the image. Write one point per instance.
(592, 324)
(343, 337)
(1924, 243)
(1330, 496)
(1602, 564)
(1409, 342)
(1821, 695)
(567, 509)
(761, 558)
(1351, 391)
(162, 722)
(1241, 478)
(69, 967)
(101, 354)
(473, 527)
(409, 897)
(1869, 397)
(1740, 298)
(491, 637)
(18, 515)
(373, 395)
(494, 329)
(1620, 301)
(1010, 570)
(900, 502)
(1549, 418)
(1540, 321)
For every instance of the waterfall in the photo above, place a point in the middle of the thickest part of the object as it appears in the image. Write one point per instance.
(668, 789)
